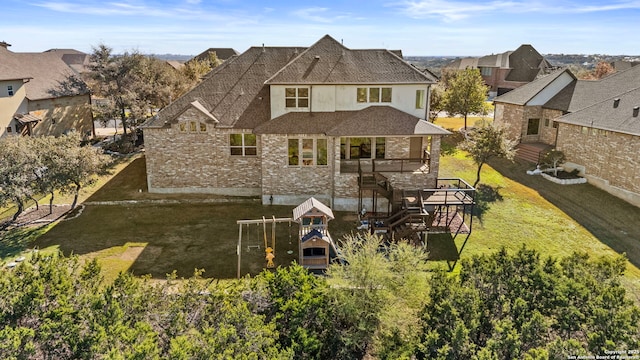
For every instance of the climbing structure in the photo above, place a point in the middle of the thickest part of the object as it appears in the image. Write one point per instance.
(438, 218)
(316, 246)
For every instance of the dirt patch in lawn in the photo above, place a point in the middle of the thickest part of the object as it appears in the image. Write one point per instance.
(41, 215)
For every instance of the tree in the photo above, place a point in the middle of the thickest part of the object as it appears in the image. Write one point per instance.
(465, 94)
(601, 70)
(16, 173)
(436, 104)
(485, 143)
(513, 306)
(553, 158)
(78, 166)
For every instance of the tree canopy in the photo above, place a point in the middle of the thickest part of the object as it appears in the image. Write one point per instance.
(384, 303)
(487, 142)
(465, 93)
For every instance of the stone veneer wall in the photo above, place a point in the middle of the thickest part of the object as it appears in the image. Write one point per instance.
(511, 117)
(188, 162)
(610, 159)
(63, 114)
(290, 185)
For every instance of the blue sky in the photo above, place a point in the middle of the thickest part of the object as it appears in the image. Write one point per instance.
(418, 27)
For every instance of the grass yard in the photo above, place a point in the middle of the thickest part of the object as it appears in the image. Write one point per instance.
(127, 228)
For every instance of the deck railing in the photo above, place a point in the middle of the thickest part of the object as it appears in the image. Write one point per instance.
(396, 165)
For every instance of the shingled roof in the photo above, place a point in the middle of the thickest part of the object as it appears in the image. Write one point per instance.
(329, 62)
(49, 76)
(521, 95)
(234, 92)
(237, 94)
(613, 114)
(371, 121)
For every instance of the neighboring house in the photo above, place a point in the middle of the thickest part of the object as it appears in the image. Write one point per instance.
(507, 71)
(41, 95)
(287, 123)
(594, 122)
(77, 60)
(221, 53)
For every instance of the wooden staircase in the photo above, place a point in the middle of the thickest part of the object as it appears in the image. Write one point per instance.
(531, 152)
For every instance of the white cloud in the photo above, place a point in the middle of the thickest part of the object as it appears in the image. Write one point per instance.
(458, 10)
(317, 14)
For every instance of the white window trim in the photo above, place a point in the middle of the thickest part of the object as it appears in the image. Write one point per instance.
(368, 95)
(315, 152)
(297, 97)
(244, 147)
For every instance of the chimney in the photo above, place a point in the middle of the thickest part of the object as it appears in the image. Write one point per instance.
(636, 109)
(616, 102)
(4, 44)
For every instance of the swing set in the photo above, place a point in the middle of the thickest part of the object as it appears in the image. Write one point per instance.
(270, 251)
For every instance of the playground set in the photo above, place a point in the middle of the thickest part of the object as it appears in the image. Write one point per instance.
(436, 218)
(315, 247)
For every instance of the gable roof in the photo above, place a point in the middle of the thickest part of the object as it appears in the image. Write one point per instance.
(329, 62)
(221, 53)
(237, 92)
(613, 114)
(49, 76)
(525, 63)
(234, 92)
(312, 205)
(523, 94)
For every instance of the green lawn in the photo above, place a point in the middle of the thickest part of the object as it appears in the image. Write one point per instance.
(155, 236)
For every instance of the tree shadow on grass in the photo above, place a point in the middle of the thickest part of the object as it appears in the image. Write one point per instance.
(449, 144)
(16, 240)
(611, 220)
(485, 196)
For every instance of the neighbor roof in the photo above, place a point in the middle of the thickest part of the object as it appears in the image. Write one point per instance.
(49, 75)
(221, 53)
(607, 116)
(521, 95)
(525, 63)
(371, 121)
(329, 62)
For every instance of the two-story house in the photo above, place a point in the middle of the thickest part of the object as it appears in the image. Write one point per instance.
(506, 71)
(287, 123)
(41, 95)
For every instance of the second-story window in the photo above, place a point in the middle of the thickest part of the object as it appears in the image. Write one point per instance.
(10, 90)
(420, 99)
(374, 95)
(296, 97)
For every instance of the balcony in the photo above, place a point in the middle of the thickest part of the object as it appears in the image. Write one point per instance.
(385, 165)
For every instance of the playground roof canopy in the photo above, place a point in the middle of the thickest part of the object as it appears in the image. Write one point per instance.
(312, 207)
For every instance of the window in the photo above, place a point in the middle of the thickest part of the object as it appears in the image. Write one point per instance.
(361, 148)
(533, 126)
(313, 252)
(10, 90)
(594, 131)
(555, 124)
(585, 130)
(243, 144)
(296, 97)
(9, 129)
(546, 122)
(311, 151)
(362, 95)
(374, 95)
(420, 99)
(485, 71)
(192, 126)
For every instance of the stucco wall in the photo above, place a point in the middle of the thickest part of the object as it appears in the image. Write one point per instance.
(64, 114)
(344, 98)
(610, 159)
(9, 105)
